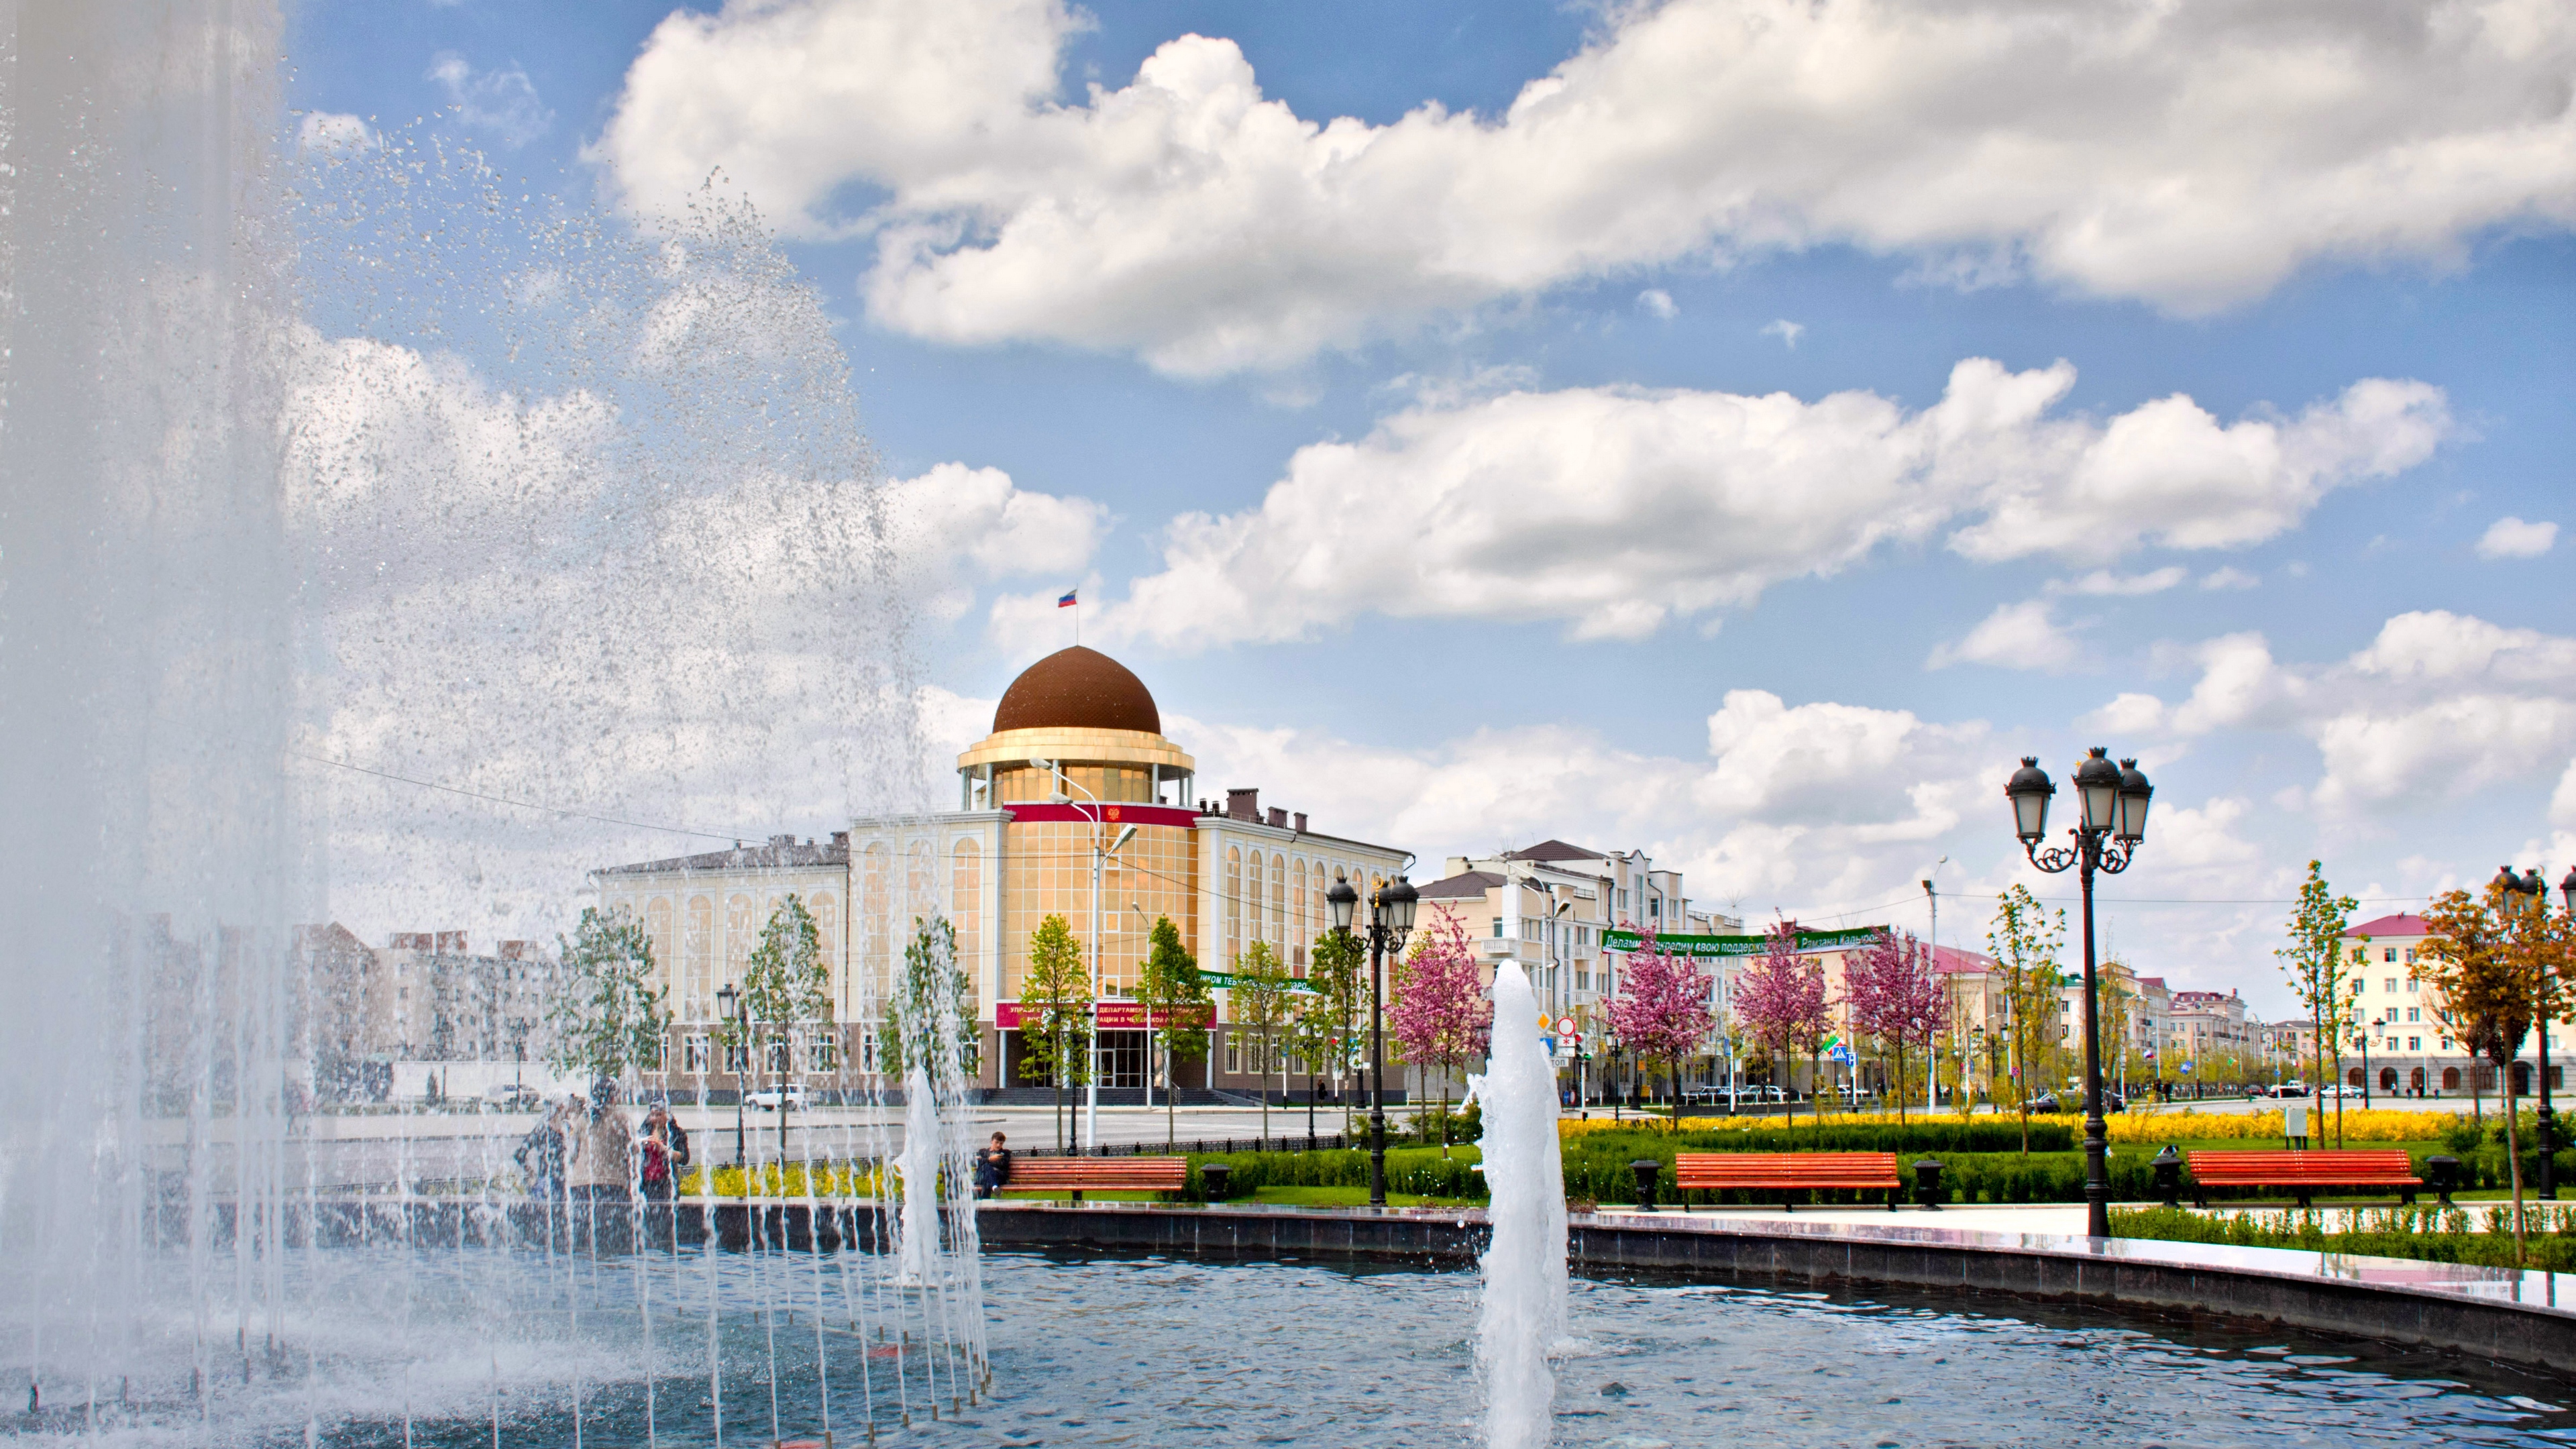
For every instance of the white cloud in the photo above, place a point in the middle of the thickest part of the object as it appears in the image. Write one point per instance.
(1656, 302)
(2106, 583)
(2190, 155)
(1615, 509)
(2167, 472)
(2512, 538)
(2562, 803)
(331, 133)
(955, 513)
(2228, 578)
(2015, 636)
(501, 104)
(2437, 706)
(1786, 330)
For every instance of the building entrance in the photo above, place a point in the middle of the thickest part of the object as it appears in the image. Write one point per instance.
(1122, 1059)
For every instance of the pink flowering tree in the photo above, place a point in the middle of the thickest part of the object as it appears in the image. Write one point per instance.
(1440, 1017)
(1662, 1010)
(1780, 1001)
(1896, 997)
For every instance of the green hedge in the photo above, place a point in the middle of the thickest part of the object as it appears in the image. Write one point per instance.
(1416, 1171)
(2432, 1236)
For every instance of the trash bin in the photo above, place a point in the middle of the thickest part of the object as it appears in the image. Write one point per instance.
(1646, 1168)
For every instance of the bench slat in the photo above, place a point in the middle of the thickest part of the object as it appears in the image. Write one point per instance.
(1694, 1171)
(1078, 1175)
(2303, 1171)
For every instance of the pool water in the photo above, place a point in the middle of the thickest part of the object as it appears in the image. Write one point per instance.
(1155, 1351)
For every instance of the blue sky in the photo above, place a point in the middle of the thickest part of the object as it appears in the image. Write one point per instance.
(1611, 490)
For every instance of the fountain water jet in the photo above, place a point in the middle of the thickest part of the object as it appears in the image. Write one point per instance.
(1523, 1320)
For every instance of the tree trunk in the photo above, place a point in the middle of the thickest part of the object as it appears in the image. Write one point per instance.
(2512, 1153)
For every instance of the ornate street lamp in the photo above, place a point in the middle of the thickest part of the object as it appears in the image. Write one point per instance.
(2111, 824)
(2365, 1063)
(2529, 894)
(734, 1009)
(1390, 921)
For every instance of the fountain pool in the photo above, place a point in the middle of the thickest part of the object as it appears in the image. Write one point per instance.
(497, 1348)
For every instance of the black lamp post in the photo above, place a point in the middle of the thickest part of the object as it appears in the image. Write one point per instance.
(2111, 826)
(1390, 921)
(2365, 1062)
(2529, 894)
(734, 1009)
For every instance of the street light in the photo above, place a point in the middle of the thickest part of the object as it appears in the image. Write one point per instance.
(2530, 894)
(2365, 1064)
(2110, 827)
(1099, 824)
(1390, 921)
(734, 1009)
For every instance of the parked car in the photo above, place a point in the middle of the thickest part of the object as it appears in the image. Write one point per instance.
(771, 1099)
(515, 1097)
(2284, 1089)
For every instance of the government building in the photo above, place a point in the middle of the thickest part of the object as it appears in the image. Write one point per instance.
(1076, 773)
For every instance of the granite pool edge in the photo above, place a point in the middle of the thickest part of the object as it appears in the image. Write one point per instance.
(2022, 1266)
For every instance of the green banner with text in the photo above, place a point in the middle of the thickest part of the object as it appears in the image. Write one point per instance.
(1850, 940)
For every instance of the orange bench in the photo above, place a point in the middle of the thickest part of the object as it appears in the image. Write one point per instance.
(2302, 1172)
(1078, 1175)
(1786, 1171)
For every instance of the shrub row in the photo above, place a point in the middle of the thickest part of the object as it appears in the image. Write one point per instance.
(2430, 1235)
(1414, 1171)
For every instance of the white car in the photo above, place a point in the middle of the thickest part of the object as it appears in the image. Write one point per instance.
(770, 1099)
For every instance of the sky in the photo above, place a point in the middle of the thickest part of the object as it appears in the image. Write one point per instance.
(1730, 429)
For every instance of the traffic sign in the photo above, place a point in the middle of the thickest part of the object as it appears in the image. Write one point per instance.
(1564, 1024)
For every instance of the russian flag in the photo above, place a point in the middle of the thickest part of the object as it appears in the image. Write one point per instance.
(1067, 601)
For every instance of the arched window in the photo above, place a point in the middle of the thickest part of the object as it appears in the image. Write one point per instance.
(657, 930)
(2353, 1078)
(826, 908)
(1301, 930)
(966, 908)
(2521, 1078)
(1278, 900)
(1252, 895)
(920, 885)
(1233, 903)
(697, 933)
(860, 1000)
(2450, 1079)
(2388, 1079)
(742, 933)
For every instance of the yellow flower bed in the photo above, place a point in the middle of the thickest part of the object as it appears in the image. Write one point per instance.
(2379, 1125)
(828, 1179)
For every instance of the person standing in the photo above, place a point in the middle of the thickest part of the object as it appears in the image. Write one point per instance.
(600, 1174)
(665, 1157)
(541, 1153)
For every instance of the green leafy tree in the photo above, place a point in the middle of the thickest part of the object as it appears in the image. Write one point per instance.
(2320, 976)
(913, 1018)
(2024, 939)
(1261, 1001)
(1055, 1013)
(604, 1015)
(1177, 1009)
(1337, 972)
(784, 984)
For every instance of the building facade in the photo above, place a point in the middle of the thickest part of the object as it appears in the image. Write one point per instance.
(2401, 1044)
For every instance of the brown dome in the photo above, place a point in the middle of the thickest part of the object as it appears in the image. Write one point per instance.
(1077, 688)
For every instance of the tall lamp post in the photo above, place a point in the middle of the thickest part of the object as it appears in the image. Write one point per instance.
(2531, 895)
(1390, 921)
(734, 1009)
(2366, 1034)
(2110, 826)
(1099, 853)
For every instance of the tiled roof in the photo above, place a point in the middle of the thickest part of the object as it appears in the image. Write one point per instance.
(2401, 924)
(1955, 960)
(778, 855)
(1554, 850)
(1472, 883)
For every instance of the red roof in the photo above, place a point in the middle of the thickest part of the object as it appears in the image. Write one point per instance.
(2401, 924)
(1956, 961)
